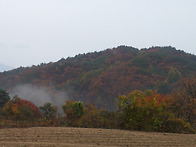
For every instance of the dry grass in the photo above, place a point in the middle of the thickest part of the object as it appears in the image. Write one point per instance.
(84, 137)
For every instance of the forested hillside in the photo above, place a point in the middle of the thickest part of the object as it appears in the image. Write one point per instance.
(99, 77)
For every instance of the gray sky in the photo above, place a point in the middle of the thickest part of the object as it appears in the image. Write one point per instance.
(40, 31)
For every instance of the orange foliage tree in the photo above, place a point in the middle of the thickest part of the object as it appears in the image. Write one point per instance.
(20, 109)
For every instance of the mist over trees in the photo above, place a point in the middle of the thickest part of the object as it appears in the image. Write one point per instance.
(126, 88)
(99, 77)
(140, 110)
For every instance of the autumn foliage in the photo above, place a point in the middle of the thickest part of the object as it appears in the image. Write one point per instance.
(150, 111)
(99, 77)
(186, 102)
(20, 109)
(140, 110)
(74, 111)
(79, 115)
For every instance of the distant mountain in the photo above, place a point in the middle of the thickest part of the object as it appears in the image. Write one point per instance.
(5, 67)
(99, 77)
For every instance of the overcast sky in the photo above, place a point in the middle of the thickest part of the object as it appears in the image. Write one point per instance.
(40, 31)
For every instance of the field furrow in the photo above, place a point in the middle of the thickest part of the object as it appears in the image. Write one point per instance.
(64, 136)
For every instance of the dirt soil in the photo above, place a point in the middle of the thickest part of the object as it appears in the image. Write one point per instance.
(86, 137)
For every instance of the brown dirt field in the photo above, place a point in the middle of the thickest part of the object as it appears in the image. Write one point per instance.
(86, 137)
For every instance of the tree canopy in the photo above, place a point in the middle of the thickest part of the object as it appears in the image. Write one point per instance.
(20, 109)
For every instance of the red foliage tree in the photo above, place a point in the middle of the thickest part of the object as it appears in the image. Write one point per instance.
(20, 109)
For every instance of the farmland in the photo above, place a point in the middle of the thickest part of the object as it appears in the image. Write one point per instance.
(67, 136)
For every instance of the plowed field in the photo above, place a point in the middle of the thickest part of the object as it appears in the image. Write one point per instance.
(85, 137)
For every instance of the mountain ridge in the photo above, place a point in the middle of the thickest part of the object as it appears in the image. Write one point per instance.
(99, 77)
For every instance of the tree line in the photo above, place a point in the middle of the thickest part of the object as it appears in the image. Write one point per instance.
(139, 110)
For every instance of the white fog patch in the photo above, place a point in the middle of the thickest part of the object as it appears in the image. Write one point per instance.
(39, 95)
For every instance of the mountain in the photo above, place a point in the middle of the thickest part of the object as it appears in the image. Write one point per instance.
(99, 77)
(5, 67)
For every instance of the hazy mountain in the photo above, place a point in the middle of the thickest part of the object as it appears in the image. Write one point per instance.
(99, 77)
(5, 67)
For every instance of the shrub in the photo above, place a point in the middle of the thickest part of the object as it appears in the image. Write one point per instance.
(177, 125)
